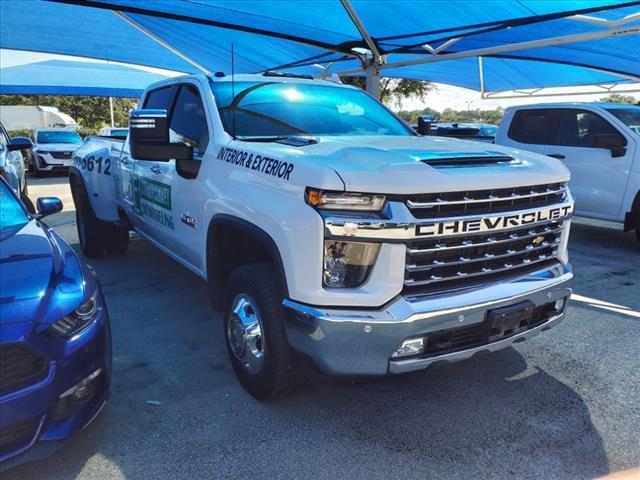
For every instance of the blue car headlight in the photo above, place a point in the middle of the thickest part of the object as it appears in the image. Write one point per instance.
(79, 319)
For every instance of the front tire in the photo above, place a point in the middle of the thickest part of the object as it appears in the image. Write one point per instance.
(254, 332)
(117, 239)
(92, 233)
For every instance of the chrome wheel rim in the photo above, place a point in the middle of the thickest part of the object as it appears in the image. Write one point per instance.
(244, 332)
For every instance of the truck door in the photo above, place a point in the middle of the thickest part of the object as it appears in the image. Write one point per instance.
(598, 178)
(145, 185)
(188, 124)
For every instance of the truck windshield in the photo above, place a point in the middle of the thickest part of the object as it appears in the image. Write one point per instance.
(58, 137)
(264, 110)
(630, 116)
(12, 215)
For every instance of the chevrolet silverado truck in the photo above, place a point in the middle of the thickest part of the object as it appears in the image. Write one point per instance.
(598, 142)
(329, 232)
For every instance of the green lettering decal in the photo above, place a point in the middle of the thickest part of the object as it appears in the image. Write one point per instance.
(155, 193)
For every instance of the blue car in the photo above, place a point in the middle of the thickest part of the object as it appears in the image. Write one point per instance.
(55, 340)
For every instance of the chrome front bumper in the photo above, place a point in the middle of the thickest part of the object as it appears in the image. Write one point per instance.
(361, 342)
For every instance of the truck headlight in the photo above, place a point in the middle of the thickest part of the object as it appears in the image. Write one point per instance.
(77, 320)
(347, 264)
(363, 202)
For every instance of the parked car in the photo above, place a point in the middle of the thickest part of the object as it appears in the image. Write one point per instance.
(479, 132)
(12, 166)
(598, 142)
(324, 225)
(113, 132)
(53, 150)
(55, 342)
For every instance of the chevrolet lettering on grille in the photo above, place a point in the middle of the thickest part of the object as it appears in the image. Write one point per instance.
(493, 223)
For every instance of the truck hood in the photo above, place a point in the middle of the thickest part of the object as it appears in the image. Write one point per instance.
(41, 279)
(398, 164)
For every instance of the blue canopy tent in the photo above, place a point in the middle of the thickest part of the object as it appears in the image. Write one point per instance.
(488, 46)
(60, 77)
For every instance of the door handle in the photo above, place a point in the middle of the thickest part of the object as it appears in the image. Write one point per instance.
(156, 170)
(124, 161)
(559, 156)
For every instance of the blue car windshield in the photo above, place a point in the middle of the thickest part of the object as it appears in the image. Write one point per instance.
(281, 109)
(12, 215)
(58, 137)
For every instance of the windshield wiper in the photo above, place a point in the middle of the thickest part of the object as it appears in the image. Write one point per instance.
(294, 140)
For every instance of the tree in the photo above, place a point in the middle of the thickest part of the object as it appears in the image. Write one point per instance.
(89, 112)
(618, 98)
(394, 89)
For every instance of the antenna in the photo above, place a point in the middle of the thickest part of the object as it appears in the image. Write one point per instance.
(233, 95)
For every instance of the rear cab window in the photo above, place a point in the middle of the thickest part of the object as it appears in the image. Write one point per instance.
(533, 126)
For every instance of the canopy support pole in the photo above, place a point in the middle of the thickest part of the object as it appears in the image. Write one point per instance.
(370, 63)
(113, 122)
(158, 40)
(481, 76)
(373, 81)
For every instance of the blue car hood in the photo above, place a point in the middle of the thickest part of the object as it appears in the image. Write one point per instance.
(41, 279)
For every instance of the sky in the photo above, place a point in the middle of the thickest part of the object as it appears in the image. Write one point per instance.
(443, 96)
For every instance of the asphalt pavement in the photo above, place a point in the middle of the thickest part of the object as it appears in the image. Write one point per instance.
(565, 405)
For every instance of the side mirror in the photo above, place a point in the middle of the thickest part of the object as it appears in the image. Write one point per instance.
(48, 206)
(19, 143)
(613, 141)
(149, 137)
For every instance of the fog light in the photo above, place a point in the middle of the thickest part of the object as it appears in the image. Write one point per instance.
(559, 305)
(82, 393)
(72, 401)
(412, 346)
(84, 389)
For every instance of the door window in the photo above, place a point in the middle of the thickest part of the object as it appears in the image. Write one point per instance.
(188, 120)
(532, 126)
(579, 128)
(159, 99)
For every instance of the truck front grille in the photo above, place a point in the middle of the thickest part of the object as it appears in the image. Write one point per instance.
(466, 260)
(436, 205)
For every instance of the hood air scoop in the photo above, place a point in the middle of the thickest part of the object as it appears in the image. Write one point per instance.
(455, 160)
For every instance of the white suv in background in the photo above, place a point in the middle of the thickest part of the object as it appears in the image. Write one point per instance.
(599, 142)
(54, 149)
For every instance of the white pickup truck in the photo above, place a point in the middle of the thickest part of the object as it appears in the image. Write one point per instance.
(329, 231)
(598, 142)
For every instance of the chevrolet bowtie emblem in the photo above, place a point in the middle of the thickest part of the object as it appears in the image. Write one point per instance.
(538, 240)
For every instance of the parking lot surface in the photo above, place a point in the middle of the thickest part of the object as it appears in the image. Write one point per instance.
(564, 405)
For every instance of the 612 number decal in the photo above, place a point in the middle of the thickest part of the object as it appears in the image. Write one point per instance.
(90, 163)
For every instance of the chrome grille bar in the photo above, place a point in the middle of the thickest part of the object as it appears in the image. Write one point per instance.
(486, 256)
(490, 198)
(507, 266)
(440, 247)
